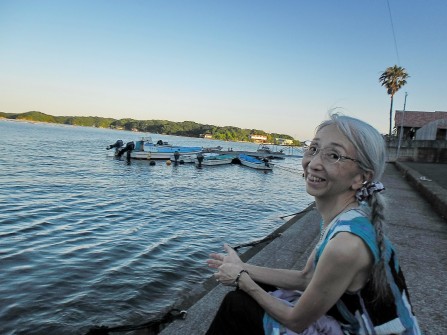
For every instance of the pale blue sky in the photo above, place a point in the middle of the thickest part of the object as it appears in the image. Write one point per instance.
(272, 65)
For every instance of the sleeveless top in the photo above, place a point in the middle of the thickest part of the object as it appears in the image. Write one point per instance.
(356, 312)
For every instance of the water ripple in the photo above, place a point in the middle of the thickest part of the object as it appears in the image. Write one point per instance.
(89, 240)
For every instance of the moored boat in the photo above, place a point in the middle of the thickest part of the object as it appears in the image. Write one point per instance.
(255, 163)
(144, 148)
(267, 152)
(183, 158)
(213, 160)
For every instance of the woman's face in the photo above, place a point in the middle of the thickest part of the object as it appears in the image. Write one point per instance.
(328, 179)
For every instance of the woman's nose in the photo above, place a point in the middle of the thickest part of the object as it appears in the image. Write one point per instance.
(315, 160)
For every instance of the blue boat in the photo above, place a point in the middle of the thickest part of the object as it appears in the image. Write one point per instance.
(255, 163)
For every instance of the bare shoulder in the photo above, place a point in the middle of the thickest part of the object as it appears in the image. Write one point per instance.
(348, 249)
(344, 266)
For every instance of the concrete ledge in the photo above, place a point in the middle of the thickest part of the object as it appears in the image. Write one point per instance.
(431, 191)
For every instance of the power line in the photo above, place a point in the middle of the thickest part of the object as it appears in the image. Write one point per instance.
(394, 34)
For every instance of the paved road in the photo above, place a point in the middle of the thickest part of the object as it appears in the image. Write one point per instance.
(420, 236)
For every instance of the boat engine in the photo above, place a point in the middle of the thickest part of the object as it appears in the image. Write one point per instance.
(200, 158)
(128, 148)
(118, 144)
(176, 157)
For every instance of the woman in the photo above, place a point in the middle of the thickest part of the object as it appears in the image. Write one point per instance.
(352, 282)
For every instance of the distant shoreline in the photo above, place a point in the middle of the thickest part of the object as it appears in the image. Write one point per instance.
(185, 128)
(131, 131)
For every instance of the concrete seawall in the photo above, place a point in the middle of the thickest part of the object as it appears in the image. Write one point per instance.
(415, 227)
(431, 189)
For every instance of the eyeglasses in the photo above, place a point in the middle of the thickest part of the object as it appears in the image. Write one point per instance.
(327, 155)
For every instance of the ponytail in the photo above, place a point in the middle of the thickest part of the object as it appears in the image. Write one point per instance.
(379, 277)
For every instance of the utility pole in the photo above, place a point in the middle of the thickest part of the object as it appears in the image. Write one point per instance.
(405, 100)
(401, 127)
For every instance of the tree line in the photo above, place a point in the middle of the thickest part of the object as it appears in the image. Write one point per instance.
(185, 128)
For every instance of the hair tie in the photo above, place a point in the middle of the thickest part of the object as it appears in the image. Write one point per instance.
(368, 189)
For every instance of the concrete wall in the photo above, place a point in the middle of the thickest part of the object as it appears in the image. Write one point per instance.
(435, 194)
(417, 151)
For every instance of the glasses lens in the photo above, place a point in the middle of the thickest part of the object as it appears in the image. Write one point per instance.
(330, 156)
(310, 151)
(327, 155)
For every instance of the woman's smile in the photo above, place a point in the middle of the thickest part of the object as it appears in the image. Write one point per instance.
(314, 179)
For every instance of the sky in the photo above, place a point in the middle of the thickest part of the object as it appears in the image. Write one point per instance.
(277, 66)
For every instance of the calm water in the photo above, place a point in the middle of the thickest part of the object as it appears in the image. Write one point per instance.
(86, 239)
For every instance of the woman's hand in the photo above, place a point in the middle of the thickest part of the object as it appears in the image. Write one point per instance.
(216, 260)
(228, 265)
(227, 274)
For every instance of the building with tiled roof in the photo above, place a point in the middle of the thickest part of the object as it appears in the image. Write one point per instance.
(421, 125)
(258, 138)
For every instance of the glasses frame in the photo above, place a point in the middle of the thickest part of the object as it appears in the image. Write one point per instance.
(319, 150)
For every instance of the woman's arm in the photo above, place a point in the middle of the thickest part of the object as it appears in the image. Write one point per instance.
(283, 278)
(344, 258)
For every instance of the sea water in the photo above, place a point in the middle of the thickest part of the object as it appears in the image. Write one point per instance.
(86, 239)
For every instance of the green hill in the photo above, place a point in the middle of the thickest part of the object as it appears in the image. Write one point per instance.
(185, 128)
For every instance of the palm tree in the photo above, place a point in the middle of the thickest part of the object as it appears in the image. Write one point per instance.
(393, 79)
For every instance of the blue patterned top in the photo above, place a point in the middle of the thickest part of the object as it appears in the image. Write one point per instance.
(357, 312)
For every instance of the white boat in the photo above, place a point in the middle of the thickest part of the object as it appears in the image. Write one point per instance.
(213, 160)
(270, 153)
(255, 163)
(192, 158)
(183, 158)
(146, 149)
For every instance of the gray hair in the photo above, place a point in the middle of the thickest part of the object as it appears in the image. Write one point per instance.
(367, 141)
(370, 151)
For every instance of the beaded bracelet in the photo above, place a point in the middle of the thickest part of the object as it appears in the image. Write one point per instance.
(236, 281)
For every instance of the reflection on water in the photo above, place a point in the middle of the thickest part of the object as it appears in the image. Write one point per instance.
(88, 240)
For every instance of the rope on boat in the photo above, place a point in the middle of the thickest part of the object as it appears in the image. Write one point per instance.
(256, 242)
(288, 169)
(152, 326)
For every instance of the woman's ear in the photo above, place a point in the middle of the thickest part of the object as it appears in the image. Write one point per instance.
(358, 181)
(361, 179)
(367, 176)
